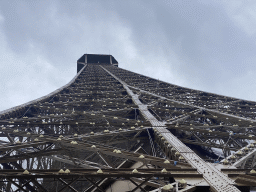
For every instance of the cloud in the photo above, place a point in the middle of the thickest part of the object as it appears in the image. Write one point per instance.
(206, 45)
(24, 77)
(243, 14)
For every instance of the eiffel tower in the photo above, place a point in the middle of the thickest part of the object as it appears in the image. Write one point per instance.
(110, 129)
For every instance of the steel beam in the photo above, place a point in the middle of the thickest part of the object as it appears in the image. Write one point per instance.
(219, 182)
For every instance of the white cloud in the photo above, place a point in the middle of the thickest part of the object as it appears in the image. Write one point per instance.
(198, 45)
(243, 14)
(1, 19)
(25, 77)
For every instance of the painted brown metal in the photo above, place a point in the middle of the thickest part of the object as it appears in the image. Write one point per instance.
(105, 114)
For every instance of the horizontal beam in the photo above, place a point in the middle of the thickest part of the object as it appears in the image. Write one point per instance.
(28, 155)
(106, 173)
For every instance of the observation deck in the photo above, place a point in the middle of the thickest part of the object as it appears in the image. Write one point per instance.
(95, 59)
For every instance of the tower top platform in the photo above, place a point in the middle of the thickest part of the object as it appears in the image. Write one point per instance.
(95, 59)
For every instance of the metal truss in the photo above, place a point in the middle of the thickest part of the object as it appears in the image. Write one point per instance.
(110, 127)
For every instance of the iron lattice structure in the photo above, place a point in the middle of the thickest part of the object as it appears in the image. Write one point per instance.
(110, 129)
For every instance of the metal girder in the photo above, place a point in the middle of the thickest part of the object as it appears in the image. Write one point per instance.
(123, 154)
(23, 182)
(18, 186)
(121, 165)
(212, 132)
(27, 155)
(106, 173)
(194, 106)
(140, 185)
(77, 162)
(240, 157)
(108, 150)
(121, 108)
(247, 180)
(88, 174)
(68, 184)
(190, 156)
(20, 146)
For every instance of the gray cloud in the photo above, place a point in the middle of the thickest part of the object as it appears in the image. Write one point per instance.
(206, 45)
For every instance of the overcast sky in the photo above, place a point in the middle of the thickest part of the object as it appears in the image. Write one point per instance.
(206, 45)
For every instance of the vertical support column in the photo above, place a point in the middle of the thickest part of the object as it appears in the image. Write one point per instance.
(110, 57)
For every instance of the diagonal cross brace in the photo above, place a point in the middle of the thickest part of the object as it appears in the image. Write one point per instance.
(219, 183)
